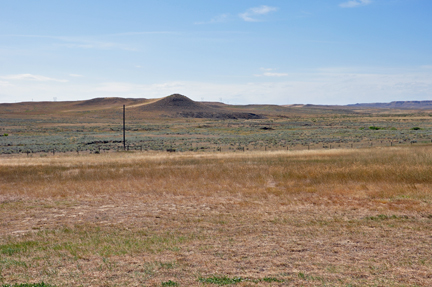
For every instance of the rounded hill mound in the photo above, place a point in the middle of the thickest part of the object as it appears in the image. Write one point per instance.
(177, 105)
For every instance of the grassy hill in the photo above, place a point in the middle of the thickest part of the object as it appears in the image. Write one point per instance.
(177, 106)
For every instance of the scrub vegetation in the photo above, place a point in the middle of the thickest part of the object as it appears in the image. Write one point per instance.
(209, 135)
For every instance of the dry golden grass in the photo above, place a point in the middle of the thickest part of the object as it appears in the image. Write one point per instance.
(311, 218)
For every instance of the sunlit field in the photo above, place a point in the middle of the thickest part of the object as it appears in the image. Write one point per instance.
(340, 217)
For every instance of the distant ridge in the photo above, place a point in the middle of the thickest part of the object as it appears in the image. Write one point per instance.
(396, 105)
(107, 101)
(180, 106)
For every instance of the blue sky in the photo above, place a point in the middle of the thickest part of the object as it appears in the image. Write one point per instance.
(237, 51)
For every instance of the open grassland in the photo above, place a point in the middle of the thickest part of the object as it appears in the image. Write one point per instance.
(352, 217)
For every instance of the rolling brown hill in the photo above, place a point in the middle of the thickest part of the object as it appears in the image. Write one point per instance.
(49, 108)
(108, 102)
(173, 106)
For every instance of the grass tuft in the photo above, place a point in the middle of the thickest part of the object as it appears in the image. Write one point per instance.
(170, 283)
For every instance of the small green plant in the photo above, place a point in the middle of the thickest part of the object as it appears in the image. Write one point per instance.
(415, 128)
(5, 135)
(221, 280)
(375, 128)
(170, 283)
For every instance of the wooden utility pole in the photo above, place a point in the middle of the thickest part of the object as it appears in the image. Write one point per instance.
(124, 127)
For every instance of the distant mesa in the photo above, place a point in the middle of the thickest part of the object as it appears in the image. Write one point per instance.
(396, 105)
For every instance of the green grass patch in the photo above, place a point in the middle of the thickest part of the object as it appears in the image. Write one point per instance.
(271, 279)
(170, 283)
(224, 280)
(20, 247)
(80, 241)
(221, 280)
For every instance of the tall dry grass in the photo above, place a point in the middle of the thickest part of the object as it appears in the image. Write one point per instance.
(387, 173)
(312, 218)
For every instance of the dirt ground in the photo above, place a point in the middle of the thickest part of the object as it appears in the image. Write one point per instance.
(296, 244)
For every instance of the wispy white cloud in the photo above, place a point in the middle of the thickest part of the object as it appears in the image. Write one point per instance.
(251, 13)
(355, 3)
(218, 19)
(268, 72)
(31, 78)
